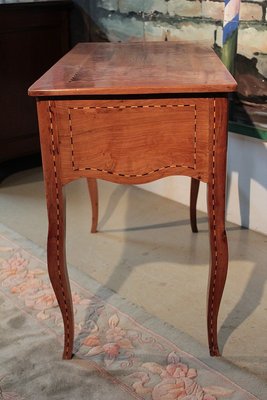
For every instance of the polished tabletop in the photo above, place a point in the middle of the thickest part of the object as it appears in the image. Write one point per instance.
(135, 68)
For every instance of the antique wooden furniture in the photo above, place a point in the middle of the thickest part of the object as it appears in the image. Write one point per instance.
(33, 36)
(134, 113)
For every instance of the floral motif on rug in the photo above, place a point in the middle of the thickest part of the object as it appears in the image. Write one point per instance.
(146, 365)
(7, 395)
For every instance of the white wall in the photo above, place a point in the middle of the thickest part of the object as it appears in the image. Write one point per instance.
(247, 184)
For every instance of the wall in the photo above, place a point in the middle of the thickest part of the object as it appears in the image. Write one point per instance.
(146, 20)
(199, 20)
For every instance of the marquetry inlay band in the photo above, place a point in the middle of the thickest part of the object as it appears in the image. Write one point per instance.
(214, 231)
(63, 298)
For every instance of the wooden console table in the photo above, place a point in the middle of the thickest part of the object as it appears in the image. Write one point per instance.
(134, 113)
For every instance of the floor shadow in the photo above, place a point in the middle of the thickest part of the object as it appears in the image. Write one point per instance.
(252, 294)
(113, 204)
(247, 169)
(149, 250)
(150, 240)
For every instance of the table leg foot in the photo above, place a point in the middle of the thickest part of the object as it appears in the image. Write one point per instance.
(215, 352)
(93, 192)
(67, 355)
(193, 204)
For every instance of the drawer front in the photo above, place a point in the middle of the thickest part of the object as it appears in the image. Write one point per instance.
(133, 139)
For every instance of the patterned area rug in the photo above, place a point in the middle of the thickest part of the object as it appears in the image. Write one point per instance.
(121, 351)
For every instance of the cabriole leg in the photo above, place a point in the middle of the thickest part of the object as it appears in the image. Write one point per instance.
(193, 203)
(93, 192)
(57, 268)
(56, 257)
(216, 215)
